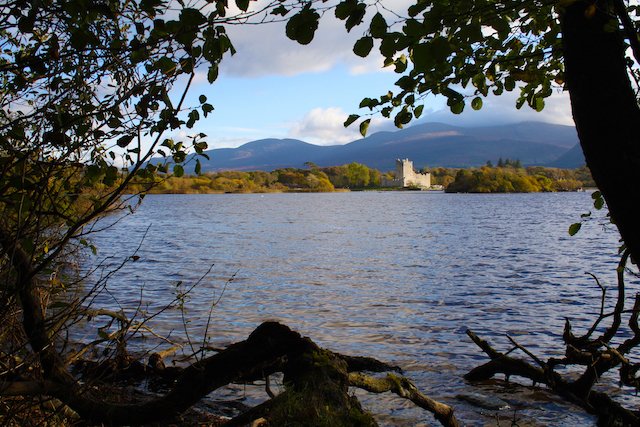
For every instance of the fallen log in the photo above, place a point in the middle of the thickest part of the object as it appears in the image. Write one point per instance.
(597, 356)
(316, 386)
(595, 402)
(405, 388)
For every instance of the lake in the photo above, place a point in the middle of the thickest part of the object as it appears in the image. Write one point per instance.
(395, 275)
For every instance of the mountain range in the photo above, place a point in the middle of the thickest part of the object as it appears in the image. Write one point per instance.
(429, 144)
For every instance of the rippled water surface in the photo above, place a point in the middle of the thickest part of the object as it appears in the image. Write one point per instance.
(396, 275)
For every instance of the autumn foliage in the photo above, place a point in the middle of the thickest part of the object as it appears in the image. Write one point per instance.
(507, 179)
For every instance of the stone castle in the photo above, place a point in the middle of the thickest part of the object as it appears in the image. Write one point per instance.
(407, 177)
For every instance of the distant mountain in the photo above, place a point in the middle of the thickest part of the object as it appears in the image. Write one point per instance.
(437, 144)
(572, 159)
(264, 155)
(429, 144)
(546, 133)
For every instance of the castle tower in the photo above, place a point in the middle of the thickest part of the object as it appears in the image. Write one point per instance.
(404, 168)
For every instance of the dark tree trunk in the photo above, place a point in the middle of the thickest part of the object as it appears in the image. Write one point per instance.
(605, 112)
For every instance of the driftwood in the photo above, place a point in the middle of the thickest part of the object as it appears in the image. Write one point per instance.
(596, 355)
(317, 382)
(405, 388)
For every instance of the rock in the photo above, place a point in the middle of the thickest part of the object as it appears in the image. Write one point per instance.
(483, 401)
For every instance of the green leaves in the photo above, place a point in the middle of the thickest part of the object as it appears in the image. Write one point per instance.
(363, 46)
(429, 55)
(421, 58)
(303, 25)
(193, 17)
(574, 228)
(364, 126)
(345, 9)
(199, 147)
(493, 46)
(212, 75)
(352, 11)
(243, 5)
(280, 10)
(194, 116)
(166, 65)
(417, 112)
(217, 43)
(457, 107)
(455, 100)
(90, 78)
(598, 203)
(612, 26)
(476, 103)
(123, 141)
(110, 176)
(418, 7)
(352, 118)
(598, 200)
(378, 27)
(403, 117)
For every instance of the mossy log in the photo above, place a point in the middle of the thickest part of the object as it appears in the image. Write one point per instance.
(316, 394)
(316, 385)
(403, 387)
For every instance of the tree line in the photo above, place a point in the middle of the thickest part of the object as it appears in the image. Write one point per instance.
(511, 179)
(499, 179)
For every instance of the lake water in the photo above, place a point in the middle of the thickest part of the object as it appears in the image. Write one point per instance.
(395, 275)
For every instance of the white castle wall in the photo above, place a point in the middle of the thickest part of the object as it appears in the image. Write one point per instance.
(406, 177)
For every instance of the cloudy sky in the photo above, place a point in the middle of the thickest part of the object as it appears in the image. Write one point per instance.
(275, 88)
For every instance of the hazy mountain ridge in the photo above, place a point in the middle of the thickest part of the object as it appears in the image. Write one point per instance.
(429, 144)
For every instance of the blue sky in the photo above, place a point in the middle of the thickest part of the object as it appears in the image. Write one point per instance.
(275, 88)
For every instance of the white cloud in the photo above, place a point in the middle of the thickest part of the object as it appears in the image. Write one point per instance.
(370, 64)
(228, 142)
(323, 127)
(265, 49)
(326, 127)
(498, 110)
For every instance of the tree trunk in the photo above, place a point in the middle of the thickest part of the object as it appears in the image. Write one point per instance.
(606, 113)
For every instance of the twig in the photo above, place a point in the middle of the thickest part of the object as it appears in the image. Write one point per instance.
(617, 313)
(267, 386)
(493, 354)
(215, 303)
(542, 364)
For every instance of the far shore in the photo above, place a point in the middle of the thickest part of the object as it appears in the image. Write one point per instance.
(346, 190)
